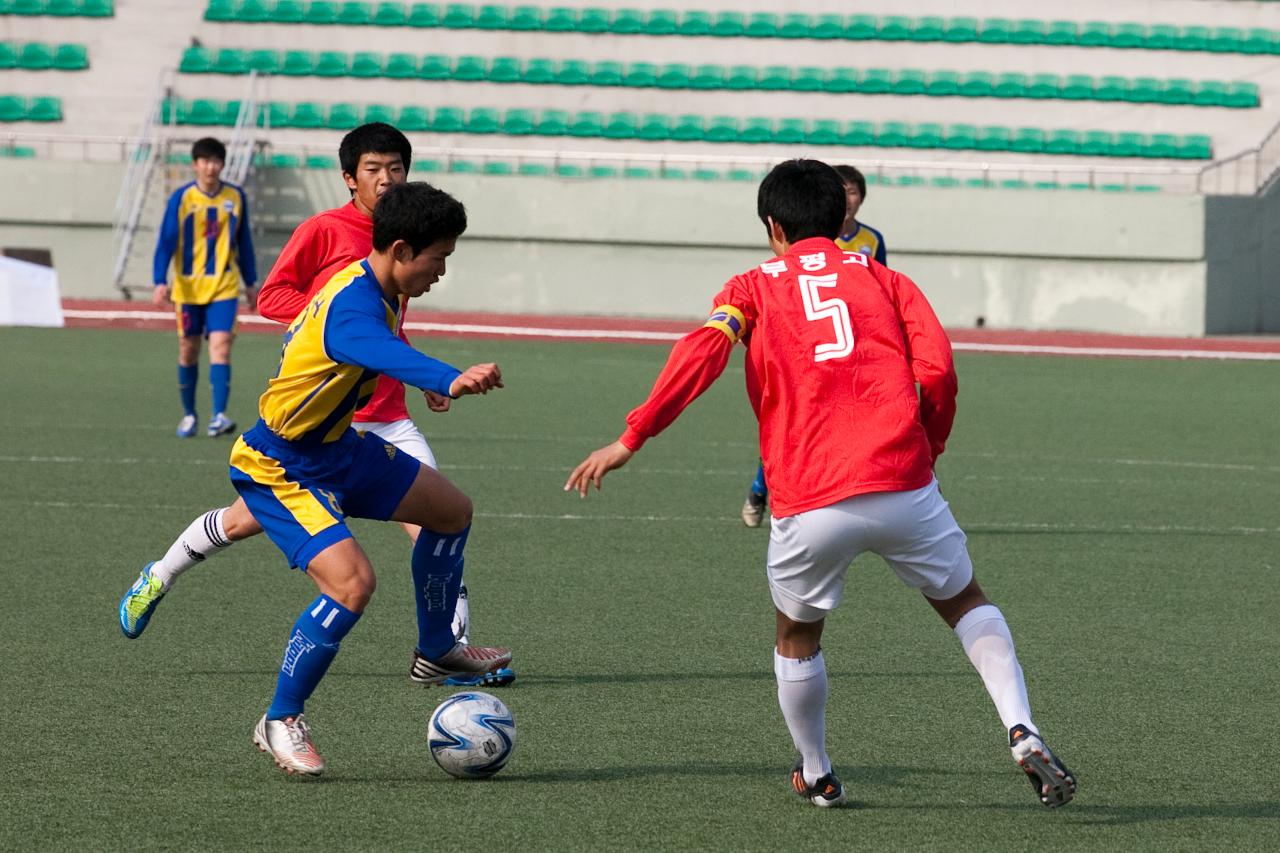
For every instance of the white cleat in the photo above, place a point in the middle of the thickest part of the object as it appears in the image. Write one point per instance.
(461, 660)
(753, 509)
(1054, 784)
(288, 742)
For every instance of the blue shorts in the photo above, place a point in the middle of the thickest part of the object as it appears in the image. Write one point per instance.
(197, 320)
(300, 493)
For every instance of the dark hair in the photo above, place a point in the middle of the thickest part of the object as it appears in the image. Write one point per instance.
(418, 214)
(805, 197)
(852, 177)
(373, 138)
(208, 149)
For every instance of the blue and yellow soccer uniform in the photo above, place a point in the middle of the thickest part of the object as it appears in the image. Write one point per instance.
(302, 468)
(865, 240)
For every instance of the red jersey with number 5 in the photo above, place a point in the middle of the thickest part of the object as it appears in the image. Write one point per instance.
(836, 345)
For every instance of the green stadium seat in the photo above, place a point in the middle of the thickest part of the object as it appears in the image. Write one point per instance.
(464, 167)
(756, 129)
(944, 182)
(775, 77)
(654, 126)
(827, 26)
(708, 77)
(675, 75)
(8, 55)
(322, 12)
(808, 78)
(414, 119)
(379, 112)
(492, 17)
(539, 70)
(661, 22)
(1010, 85)
(258, 11)
(588, 123)
(977, 84)
(1194, 38)
(722, 129)
(505, 69)
(1028, 31)
(97, 8)
(1258, 40)
(859, 132)
(1129, 144)
(739, 174)
(427, 165)
(1128, 35)
(1111, 88)
(910, 181)
(673, 173)
(391, 15)
(861, 27)
(1063, 141)
(789, 131)
(355, 14)
(823, 131)
(458, 16)
(1061, 32)
(195, 60)
(876, 81)
(435, 66)
(1097, 142)
(448, 120)
(627, 22)
(762, 25)
(594, 20)
(1163, 145)
(893, 134)
(621, 126)
(929, 28)
(367, 64)
(1028, 140)
(729, 25)
(202, 111)
(1094, 34)
(217, 10)
(842, 80)
(704, 174)
(276, 114)
(601, 171)
(795, 25)
(1177, 90)
(401, 66)
(12, 108)
(525, 18)
(695, 23)
(424, 15)
(1162, 37)
(284, 161)
(573, 72)
(71, 57)
(561, 19)
(607, 73)
(994, 138)
(1043, 86)
(553, 123)
(26, 7)
(470, 68)
(996, 31)
(231, 61)
(343, 116)
(1014, 184)
(1210, 93)
(687, 128)
(1242, 94)
(1146, 188)
(894, 28)
(483, 120)
(1226, 40)
(264, 61)
(298, 63)
(977, 184)
(1045, 185)
(519, 122)
(18, 152)
(1145, 90)
(742, 77)
(963, 29)
(910, 81)
(960, 136)
(320, 161)
(35, 56)
(332, 63)
(1077, 87)
(534, 170)
(926, 135)
(1195, 147)
(641, 75)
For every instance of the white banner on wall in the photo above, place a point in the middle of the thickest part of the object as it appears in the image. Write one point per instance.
(28, 294)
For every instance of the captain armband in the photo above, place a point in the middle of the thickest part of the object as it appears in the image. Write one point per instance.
(729, 320)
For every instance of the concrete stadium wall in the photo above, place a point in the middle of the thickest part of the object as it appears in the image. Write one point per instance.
(1243, 263)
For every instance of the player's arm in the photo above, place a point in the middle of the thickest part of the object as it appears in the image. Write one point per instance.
(166, 245)
(696, 361)
(245, 257)
(882, 253)
(285, 292)
(930, 352)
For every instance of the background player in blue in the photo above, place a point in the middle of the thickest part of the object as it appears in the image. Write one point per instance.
(854, 237)
(205, 237)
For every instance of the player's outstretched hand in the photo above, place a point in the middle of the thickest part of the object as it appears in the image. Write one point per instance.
(476, 379)
(594, 467)
(437, 402)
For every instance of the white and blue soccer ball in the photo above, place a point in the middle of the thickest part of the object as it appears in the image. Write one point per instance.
(472, 735)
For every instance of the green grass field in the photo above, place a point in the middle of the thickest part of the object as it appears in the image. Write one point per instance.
(1122, 513)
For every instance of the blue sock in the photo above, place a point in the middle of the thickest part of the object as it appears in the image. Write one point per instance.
(437, 574)
(313, 644)
(759, 486)
(220, 379)
(187, 387)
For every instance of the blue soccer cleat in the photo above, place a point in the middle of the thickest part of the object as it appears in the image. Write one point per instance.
(220, 424)
(498, 678)
(140, 602)
(187, 426)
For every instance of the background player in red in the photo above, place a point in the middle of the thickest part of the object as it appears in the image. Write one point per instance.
(836, 346)
(373, 158)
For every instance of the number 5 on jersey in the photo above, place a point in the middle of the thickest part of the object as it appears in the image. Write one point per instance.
(834, 309)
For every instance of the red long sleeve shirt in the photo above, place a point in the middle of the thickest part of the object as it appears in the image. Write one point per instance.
(322, 246)
(836, 345)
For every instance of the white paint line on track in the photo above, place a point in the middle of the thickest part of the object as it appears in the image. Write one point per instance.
(655, 336)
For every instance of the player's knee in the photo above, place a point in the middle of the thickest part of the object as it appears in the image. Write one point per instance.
(355, 589)
(239, 523)
(455, 517)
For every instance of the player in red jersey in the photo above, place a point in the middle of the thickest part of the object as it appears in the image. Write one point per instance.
(373, 157)
(836, 347)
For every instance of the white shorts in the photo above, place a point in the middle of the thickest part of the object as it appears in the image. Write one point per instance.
(403, 434)
(914, 532)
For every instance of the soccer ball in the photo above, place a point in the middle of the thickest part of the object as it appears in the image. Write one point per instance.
(472, 735)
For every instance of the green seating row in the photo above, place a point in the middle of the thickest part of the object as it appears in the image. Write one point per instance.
(20, 108)
(59, 8)
(17, 152)
(793, 25)
(37, 56)
(658, 126)
(575, 72)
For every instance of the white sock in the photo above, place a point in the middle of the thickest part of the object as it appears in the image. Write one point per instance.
(802, 694)
(989, 645)
(462, 616)
(203, 538)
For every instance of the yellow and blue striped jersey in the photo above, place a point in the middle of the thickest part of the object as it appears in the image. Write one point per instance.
(867, 241)
(207, 239)
(332, 356)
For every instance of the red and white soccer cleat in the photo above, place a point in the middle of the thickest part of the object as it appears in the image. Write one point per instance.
(288, 742)
(1055, 785)
(462, 659)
